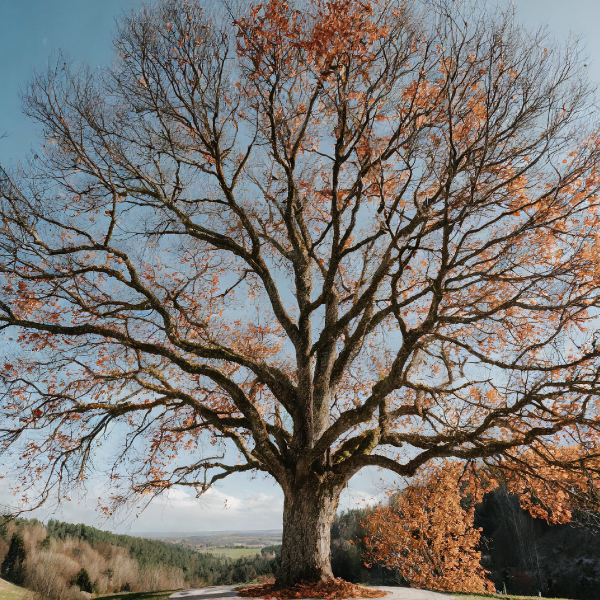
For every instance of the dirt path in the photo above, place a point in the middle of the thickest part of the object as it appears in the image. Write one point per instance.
(226, 591)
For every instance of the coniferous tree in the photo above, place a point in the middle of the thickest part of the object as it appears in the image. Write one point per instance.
(82, 581)
(12, 568)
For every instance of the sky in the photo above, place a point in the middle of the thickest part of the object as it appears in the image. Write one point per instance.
(30, 32)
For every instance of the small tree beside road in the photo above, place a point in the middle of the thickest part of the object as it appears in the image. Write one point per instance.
(426, 535)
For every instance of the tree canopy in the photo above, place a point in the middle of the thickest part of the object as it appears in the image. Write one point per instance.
(327, 235)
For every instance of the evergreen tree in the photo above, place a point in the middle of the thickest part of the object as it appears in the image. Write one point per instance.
(82, 581)
(13, 568)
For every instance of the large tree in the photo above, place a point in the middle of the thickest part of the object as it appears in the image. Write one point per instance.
(304, 240)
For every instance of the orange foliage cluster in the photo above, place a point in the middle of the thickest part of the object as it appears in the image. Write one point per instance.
(331, 33)
(332, 589)
(545, 488)
(426, 534)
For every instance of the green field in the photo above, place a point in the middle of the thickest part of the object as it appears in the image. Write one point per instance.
(8, 591)
(230, 552)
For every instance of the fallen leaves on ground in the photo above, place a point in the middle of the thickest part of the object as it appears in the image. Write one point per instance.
(333, 589)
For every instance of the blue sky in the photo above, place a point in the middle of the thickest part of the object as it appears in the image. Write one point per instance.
(30, 31)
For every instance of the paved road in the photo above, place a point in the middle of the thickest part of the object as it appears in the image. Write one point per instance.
(226, 591)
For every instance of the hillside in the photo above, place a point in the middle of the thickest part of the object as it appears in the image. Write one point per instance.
(521, 553)
(63, 559)
(8, 591)
(145, 551)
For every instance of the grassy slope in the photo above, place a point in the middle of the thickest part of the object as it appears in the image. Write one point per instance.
(8, 591)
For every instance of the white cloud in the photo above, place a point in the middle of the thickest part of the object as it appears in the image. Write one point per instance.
(178, 498)
(239, 503)
(258, 502)
(217, 509)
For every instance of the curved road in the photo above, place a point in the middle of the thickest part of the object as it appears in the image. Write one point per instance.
(226, 591)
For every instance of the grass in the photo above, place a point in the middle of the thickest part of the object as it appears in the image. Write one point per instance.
(230, 552)
(460, 596)
(8, 591)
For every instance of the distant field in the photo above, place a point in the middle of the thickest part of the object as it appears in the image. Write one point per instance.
(221, 539)
(8, 591)
(230, 552)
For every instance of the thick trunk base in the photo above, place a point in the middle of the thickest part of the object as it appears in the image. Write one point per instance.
(308, 512)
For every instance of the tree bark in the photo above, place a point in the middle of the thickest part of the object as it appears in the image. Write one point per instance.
(308, 513)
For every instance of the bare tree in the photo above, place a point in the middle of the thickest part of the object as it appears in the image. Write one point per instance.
(327, 237)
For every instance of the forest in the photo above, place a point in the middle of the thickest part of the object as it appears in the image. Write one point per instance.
(63, 561)
(523, 555)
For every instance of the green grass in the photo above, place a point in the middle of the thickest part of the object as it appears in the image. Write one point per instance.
(8, 591)
(230, 552)
(502, 596)
(135, 596)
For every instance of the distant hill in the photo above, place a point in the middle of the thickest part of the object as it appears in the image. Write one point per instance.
(251, 533)
(220, 539)
(180, 552)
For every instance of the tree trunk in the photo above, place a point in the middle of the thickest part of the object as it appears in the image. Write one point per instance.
(308, 512)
